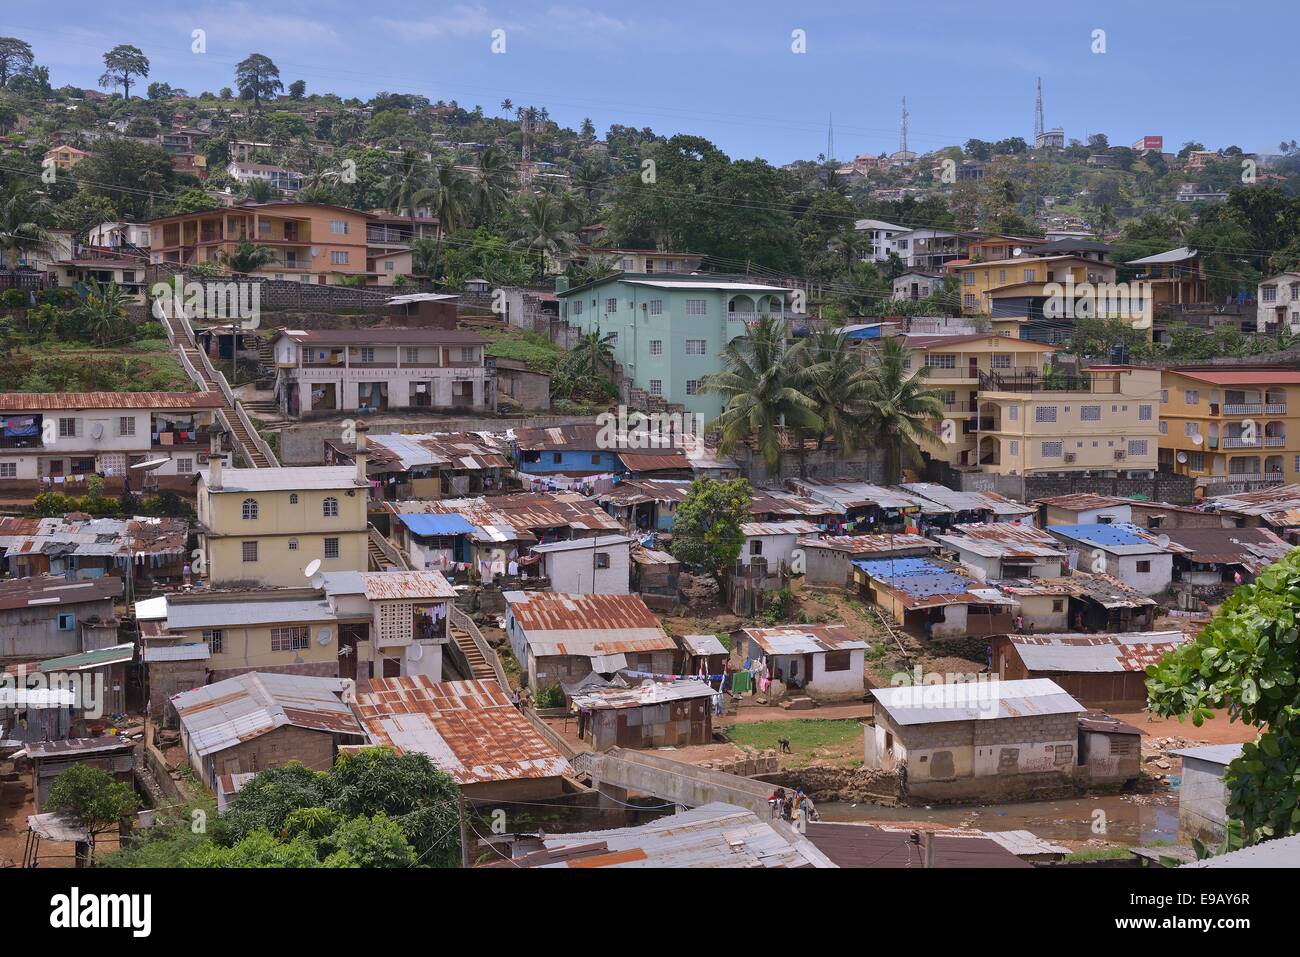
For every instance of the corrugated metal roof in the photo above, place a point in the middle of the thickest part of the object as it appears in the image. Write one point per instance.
(46, 590)
(974, 701)
(1266, 503)
(248, 610)
(469, 729)
(400, 585)
(927, 582)
(1082, 501)
(1251, 547)
(661, 461)
(238, 709)
(67, 401)
(554, 623)
(648, 692)
(291, 478)
(107, 537)
(1118, 538)
(1106, 591)
(1004, 540)
(190, 651)
(789, 527)
(966, 501)
(583, 544)
(434, 525)
(85, 660)
(1130, 651)
(871, 544)
(804, 639)
(1279, 852)
(1212, 753)
(702, 645)
(516, 517)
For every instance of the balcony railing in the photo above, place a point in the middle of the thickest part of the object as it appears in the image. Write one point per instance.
(1244, 408)
(1275, 408)
(1274, 441)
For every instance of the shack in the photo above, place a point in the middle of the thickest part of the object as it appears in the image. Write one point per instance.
(653, 714)
(654, 577)
(823, 661)
(49, 759)
(1079, 602)
(933, 598)
(584, 565)
(1005, 550)
(828, 562)
(1203, 794)
(701, 655)
(1110, 751)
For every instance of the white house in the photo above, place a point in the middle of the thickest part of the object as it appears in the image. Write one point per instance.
(915, 284)
(118, 234)
(1085, 508)
(881, 233)
(773, 541)
(1005, 550)
(824, 661)
(1278, 302)
(926, 249)
(1123, 551)
(583, 566)
(279, 177)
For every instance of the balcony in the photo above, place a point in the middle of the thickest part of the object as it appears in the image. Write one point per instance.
(1244, 408)
(1274, 441)
(182, 438)
(1275, 408)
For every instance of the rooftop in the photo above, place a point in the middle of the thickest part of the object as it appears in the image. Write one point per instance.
(930, 582)
(870, 544)
(648, 692)
(1003, 540)
(74, 401)
(286, 479)
(974, 701)
(56, 590)
(804, 639)
(554, 623)
(1130, 651)
(1118, 538)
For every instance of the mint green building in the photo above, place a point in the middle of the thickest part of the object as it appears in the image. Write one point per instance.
(670, 328)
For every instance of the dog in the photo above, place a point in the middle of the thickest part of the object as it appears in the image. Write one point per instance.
(785, 745)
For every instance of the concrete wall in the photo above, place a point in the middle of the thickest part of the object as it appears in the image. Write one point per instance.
(1202, 801)
(274, 749)
(670, 780)
(837, 684)
(575, 573)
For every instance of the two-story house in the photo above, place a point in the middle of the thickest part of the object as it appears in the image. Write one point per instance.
(57, 440)
(667, 331)
(1278, 303)
(631, 260)
(1105, 420)
(280, 178)
(879, 233)
(1230, 429)
(374, 370)
(312, 242)
(266, 526)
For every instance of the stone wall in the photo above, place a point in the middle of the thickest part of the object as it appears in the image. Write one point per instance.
(850, 785)
(1161, 486)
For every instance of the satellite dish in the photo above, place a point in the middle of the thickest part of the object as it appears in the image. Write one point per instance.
(324, 636)
(414, 652)
(1017, 251)
(97, 432)
(312, 568)
(1182, 458)
(1162, 541)
(1197, 439)
(150, 465)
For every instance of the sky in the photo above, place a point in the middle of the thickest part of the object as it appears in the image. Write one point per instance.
(1190, 70)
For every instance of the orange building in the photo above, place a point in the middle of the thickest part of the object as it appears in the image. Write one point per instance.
(312, 242)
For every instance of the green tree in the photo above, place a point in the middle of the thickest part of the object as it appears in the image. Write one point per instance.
(541, 228)
(370, 842)
(15, 56)
(706, 532)
(901, 410)
(257, 78)
(121, 64)
(837, 380)
(93, 797)
(297, 89)
(1247, 659)
(248, 257)
(21, 230)
(134, 176)
(761, 386)
(103, 311)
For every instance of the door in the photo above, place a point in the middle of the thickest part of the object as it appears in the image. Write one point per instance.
(349, 635)
(974, 367)
(392, 668)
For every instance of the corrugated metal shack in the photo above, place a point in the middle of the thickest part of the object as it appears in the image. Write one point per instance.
(651, 715)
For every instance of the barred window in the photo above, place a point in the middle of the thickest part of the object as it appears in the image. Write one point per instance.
(696, 347)
(1144, 413)
(248, 551)
(656, 347)
(1045, 413)
(1052, 450)
(294, 638)
(697, 307)
(941, 360)
(1001, 361)
(1192, 396)
(611, 304)
(692, 386)
(1089, 413)
(213, 638)
(1137, 446)
(249, 510)
(331, 548)
(330, 507)
(656, 307)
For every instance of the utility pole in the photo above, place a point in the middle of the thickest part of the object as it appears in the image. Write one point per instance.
(464, 829)
(830, 137)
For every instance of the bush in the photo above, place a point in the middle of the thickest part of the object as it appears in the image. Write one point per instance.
(14, 298)
(552, 697)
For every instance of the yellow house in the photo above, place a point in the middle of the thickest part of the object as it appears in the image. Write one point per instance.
(960, 366)
(265, 526)
(1104, 420)
(312, 242)
(65, 157)
(1022, 284)
(1231, 427)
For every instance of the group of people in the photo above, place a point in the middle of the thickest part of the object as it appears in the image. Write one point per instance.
(794, 807)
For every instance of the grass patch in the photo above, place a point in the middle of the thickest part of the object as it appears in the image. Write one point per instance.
(805, 735)
(1100, 854)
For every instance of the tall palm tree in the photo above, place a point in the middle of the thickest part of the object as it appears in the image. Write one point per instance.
(591, 356)
(103, 310)
(490, 183)
(425, 258)
(901, 410)
(852, 244)
(260, 191)
(762, 382)
(248, 257)
(404, 185)
(446, 193)
(839, 382)
(542, 228)
(20, 229)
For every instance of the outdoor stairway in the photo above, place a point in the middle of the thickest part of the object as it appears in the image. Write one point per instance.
(243, 442)
(378, 560)
(481, 669)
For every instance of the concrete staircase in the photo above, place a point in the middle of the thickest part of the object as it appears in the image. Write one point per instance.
(480, 668)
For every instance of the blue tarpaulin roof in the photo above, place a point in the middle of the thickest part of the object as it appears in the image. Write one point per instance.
(437, 524)
(916, 576)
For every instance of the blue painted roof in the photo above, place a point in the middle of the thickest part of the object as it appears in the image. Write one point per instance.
(1118, 533)
(916, 576)
(437, 524)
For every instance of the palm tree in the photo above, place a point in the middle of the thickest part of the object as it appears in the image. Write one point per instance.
(425, 257)
(901, 410)
(851, 244)
(761, 382)
(542, 228)
(260, 191)
(594, 267)
(20, 231)
(490, 183)
(248, 257)
(591, 356)
(404, 185)
(447, 196)
(1180, 219)
(840, 384)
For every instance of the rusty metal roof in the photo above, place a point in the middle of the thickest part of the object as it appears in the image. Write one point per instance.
(80, 534)
(469, 729)
(517, 517)
(558, 624)
(1252, 547)
(452, 451)
(788, 527)
(1279, 505)
(664, 460)
(804, 639)
(871, 544)
(1082, 501)
(648, 692)
(1129, 651)
(47, 590)
(72, 401)
(385, 586)
(1004, 540)
(226, 713)
(1107, 591)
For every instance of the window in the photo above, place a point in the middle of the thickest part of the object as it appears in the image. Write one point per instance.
(293, 498)
(1192, 396)
(838, 661)
(184, 466)
(756, 546)
(1191, 428)
(331, 548)
(367, 354)
(1143, 567)
(330, 507)
(1270, 293)
(410, 355)
(467, 352)
(1053, 450)
(1045, 413)
(656, 307)
(968, 300)
(1164, 427)
(692, 386)
(611, 305)
(1089, 413)
(338, 257)
(67, 428)
(656, 386)
(1001, 361)
(126, 425)
(294, 638)
(213, 638)
(249, 551)
(968, 278)
(1196, 461)
(67, 621)
(602, 559)
(1029, 275)
(339, 227)
(1013, 413)
(1164, 396)
(577, 307)
(1058, 604)
(1002, 275)
(941, 360)
(696, 347)
(557, 457)
(950, 397)
(656, 347)
(389, 265)
(248, 512)
(1014, 447)
(1137, 446)
(8, 469)
(697, 307)
(1144, 413)
(595, 458)
(293, 544)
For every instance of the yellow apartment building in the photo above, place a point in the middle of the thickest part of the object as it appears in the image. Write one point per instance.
(312, 242)
(1104, 420)
(1018, 286)
(265, 526)
(960, 366)
(65, 157)
(1231, 426)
